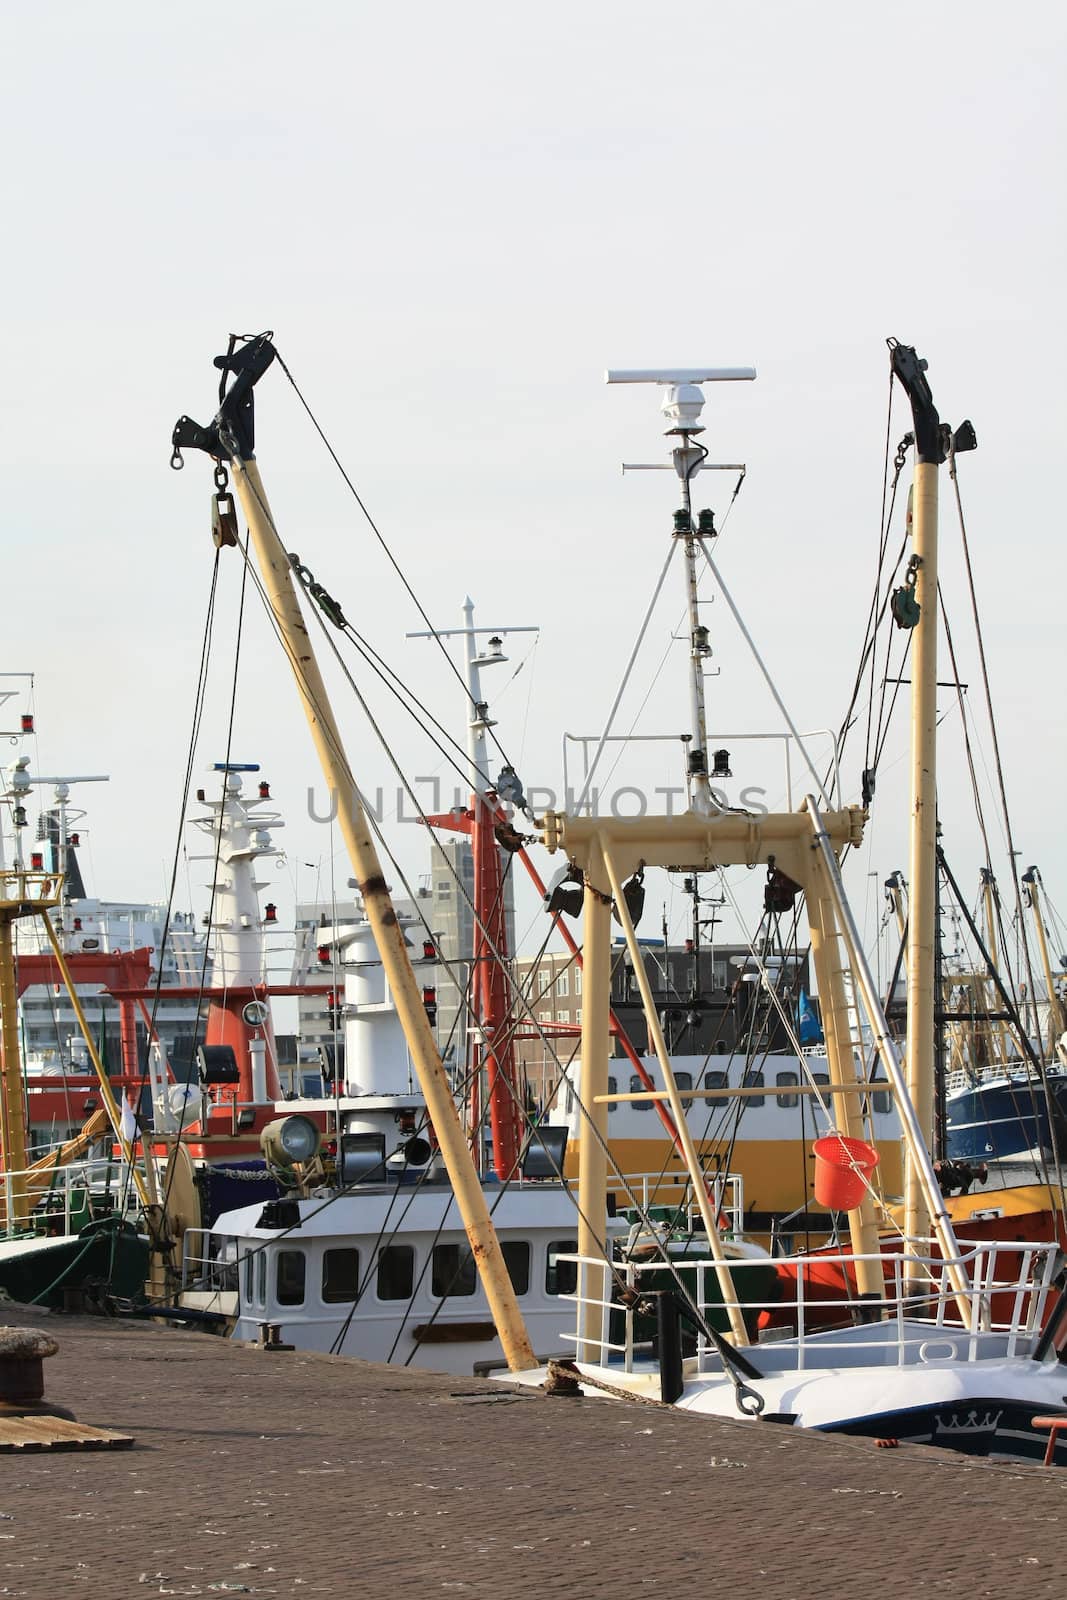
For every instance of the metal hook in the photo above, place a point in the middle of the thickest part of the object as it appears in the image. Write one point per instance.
(749, 1403)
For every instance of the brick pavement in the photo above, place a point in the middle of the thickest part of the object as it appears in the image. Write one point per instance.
(292, 1475)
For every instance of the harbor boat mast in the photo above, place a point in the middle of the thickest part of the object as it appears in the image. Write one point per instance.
(915, 607)
(1034, 889)
(232, 438)
(489, 992)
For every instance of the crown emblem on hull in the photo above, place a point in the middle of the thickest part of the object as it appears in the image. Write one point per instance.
(971, 1422)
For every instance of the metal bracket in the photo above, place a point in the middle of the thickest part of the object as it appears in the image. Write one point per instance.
(233, 431)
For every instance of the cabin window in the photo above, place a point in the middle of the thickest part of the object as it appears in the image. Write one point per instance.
(754, 1080)
(882, 1102)
(292, 1266)
(821, 1080)
(261, 1278)
(250, 1275)
(637, 1087)
(516, 1253)
(716, 1080)
(396, 1272)
(561, 1277)
(684, 1080)
(453, 1271)
(613, 1088)
(787, 1080)
(340, 1276)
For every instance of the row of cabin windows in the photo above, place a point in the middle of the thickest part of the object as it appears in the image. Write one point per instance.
(452, 1272)
(785, 1083)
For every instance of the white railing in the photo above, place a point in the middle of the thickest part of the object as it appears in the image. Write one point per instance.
(1012, 1289)
(203, 1267)
(659, 1192)
(63, 1199)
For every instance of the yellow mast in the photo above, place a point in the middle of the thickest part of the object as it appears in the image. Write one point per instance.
(1032, 879)
(922, 868)
(12, 1098)
(595, 1048)
(989, 903)
(233, 437)
(692, 1161)
(915, 607)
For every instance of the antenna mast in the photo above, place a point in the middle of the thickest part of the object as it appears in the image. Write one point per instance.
(490, 934)
(682, 405)
(231, 438)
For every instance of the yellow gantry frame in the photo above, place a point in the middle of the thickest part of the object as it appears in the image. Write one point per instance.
(803, 845)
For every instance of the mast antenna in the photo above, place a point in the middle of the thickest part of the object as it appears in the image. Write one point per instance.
(682, 405)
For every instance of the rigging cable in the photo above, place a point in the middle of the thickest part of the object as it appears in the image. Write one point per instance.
(194, 737)
(392, 858)
(385, 547)
(207, 957)
(1013, 859)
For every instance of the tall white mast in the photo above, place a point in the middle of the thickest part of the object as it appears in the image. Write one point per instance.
(479, 722)
(64, 817)
(682, 406)
(240, 832)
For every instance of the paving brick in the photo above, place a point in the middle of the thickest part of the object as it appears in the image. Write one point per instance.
(299, 1475)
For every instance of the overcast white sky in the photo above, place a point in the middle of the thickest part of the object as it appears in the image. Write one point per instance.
(454, 218)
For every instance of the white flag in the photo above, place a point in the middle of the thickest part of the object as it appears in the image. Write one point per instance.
(128, 1121)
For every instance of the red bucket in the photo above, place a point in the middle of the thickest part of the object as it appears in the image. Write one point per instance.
(842, 1167)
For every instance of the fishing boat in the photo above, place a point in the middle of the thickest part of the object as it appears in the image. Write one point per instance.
(949, 1343)
(103, 1170)
(365, 1252)
(1006, 1086)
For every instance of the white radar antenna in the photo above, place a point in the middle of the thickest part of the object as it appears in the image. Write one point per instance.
(21, 782)
(682, 406)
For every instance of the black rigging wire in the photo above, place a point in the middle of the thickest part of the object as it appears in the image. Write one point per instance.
(416, 602)
(1013, 860)
(172, 1167)
(382, 841)
(194, 738)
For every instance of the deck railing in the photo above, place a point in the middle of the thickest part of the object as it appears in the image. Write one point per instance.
(658, 1193)
(1013, 1286)
(62, 1199)
(203, 1267)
